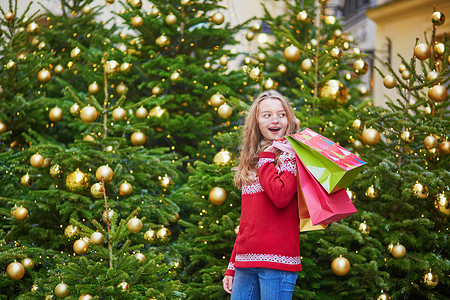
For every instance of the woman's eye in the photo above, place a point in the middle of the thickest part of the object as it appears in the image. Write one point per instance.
(266, 115)
(283, 115)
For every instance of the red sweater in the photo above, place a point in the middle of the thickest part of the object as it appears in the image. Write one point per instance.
(268, 234)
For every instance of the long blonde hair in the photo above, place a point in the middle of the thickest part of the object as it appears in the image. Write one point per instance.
(253, 140)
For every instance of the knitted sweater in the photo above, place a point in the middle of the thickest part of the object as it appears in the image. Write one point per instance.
(268, 234)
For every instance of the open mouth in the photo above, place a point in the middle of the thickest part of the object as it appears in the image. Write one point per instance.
(275, 130)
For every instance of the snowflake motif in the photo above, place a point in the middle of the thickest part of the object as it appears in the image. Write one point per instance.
(274, 258)
(230, 266)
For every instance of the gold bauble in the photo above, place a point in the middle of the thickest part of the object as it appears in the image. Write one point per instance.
(401, 68)
(335, 91)
(336, 53)
(112, 66)
(370, 137)
(223, 60)
(442, 203)
(384, 296)
(165, 183)
(125, 189)
(154, 11)
(75, 109)
(225, 111)
(223, 158)
(351, 195)
(85, 297)
(118, 114)
(125, 67)
(71, 231)
(407, 136)
(256, 27)
(10, 64)
(430, 280)
(302, 16)
(121, 89)
(86, 10)
(406, 74)
(371, 192)
(139, 256)
(97, 190)
(21, 213)
(430, 142)
(162, 41)
(77, 181)
(88, 114)
(439, 48)
(269, 84)
(398, 251)
(3, 127)
(185, 2)
(124, 285)
(138, 138)
(135, 3)
(292, 53)
(96, 238)
(217, 195)
(171, 19)
(444, 147)
(55, 170)
(422, 51)
(94, 88)
(44, 76)
(156, 90)
(156, 111)
(15, 270)
(75, 53)
(390, 82)
(150, 235)
(218, 18)
(340, 266)
(256, 74)
(36, 160)
(438, 18)
(28, 263)
(175, 76)
(8, 16)
(432, 75)
(46, 163)
(137, 21)
(80, 246)
(364, 228)
(356, 124)
(141, 112)
(360, 67)
(250, 35)
(104, 172)
(42, 45)
(163, 235)
(438, 93)
(420, 190)
(282, 68)
(306, 65)
(62, 290)
(216, 100)
(25, 180)
(357, 145)
(55, 114)
(134, 225)
(207, 65)
(330, 20)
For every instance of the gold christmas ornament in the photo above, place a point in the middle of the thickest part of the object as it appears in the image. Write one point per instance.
(218, 18)
(28, 263)
(390, 82)
(162, 41)
(292, 53)
(75, 110)
(46, 163)
(112, 66)
(336, 53)
(256, 74)
(225, 111)
(261, 57)
(71, 231)
(108, 216)
(442, 203)
(134, 225)
(430, 142)
(430, 280)
(55, 114)
(383, 296)
(150, 236)
(21, 213)
(15, 270)
(357, 145)
(420, 190)
(96, 238)
(141, 112)
(156, 90)
(217, 195)
(55, 170)
(335, 91)
(306, 65)
(438, 18)
(94, 88)
(348, 76)
(444, 147)
(185, 2)
(8, 16)
(223, 60)
(370, 137)
(216, 100)
(406, 74)
(269, 84)
(44, 76)
(303, 16)
(371, 192)
(250, 35)
(138, 138)
(439, 48)
(163, 235)
(282, 68)
(337, 33)
(422, 51)
(432, 75)
(207, 66)
(175, 76)
(256, 27)
(75, 53)
(139, 256)
(25, 180)
(62, 290)
(330, 20)
(121, 89)
(360, 67)
(165, 183)
(118, 114)
(401, 68)
(340, 266)
(36, 160)
(223, 158)
(398, 251)
(97, 190)
(125, 189)
(125, 67)
(10, 64)
(154, 12)
(86, 10)
(135, 3)
(3, 127)
(80, 246)
(85, 297)
(171, 19)
(156, 111)
(351, 194)
(124, 285)
(104, 172)
(88, 114)
(137, 21)
(77, 181)
(346, 45)
(407, 136)
(356, 124)
(364, 228)
(438, 93)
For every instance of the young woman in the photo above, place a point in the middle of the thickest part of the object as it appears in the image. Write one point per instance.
(266, 256)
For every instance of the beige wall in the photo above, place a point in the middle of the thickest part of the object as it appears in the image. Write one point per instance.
(403, 21)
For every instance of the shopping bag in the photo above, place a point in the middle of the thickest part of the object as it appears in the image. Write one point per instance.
(322, 208)
(332, 165)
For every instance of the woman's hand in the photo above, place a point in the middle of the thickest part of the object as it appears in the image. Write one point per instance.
(227, 283)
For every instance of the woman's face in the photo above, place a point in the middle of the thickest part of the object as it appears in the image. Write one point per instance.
(272, 119)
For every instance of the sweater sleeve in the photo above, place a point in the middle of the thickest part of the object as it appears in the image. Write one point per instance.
(281, 186)
(230, 268)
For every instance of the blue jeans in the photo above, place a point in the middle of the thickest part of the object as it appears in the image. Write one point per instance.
(263, 284)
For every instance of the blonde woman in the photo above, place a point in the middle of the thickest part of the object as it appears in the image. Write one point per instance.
(266, 256)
